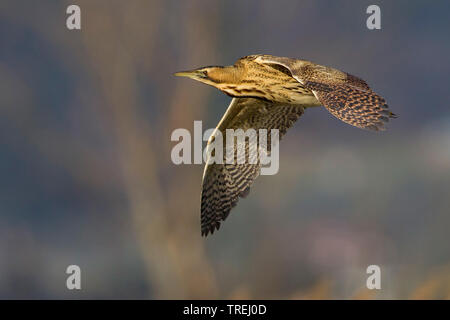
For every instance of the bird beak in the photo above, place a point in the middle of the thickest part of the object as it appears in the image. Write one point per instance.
(193, 74)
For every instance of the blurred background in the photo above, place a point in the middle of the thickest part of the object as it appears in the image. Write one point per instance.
(87, 179)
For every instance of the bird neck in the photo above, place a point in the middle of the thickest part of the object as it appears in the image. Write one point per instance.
(264, 82)
(236, 81)
(226, 75)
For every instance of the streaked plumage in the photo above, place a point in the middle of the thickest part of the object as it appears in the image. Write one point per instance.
(271, 93)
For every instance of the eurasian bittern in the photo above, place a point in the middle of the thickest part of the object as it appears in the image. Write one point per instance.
(271, 93)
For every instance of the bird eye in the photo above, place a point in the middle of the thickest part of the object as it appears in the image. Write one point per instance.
(205, 73)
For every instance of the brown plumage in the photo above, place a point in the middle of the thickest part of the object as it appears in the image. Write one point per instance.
(271, 93)
(223, 184)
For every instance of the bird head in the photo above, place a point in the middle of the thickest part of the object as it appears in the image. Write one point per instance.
(214, 76)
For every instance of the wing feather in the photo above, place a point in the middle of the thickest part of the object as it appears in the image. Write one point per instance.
(346, 96)
(223, 184)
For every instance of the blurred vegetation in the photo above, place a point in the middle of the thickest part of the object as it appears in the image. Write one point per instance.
(86, 118)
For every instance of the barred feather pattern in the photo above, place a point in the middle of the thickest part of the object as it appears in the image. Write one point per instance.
(358, 107)
(346, 96)
(223, 184)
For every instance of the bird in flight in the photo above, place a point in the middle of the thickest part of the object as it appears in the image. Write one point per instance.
(272, 92)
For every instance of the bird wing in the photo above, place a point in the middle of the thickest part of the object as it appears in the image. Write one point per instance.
(347, 97)
(224, 183)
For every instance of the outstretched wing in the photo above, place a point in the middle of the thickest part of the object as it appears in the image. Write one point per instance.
(223, 184)
(347, 97)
